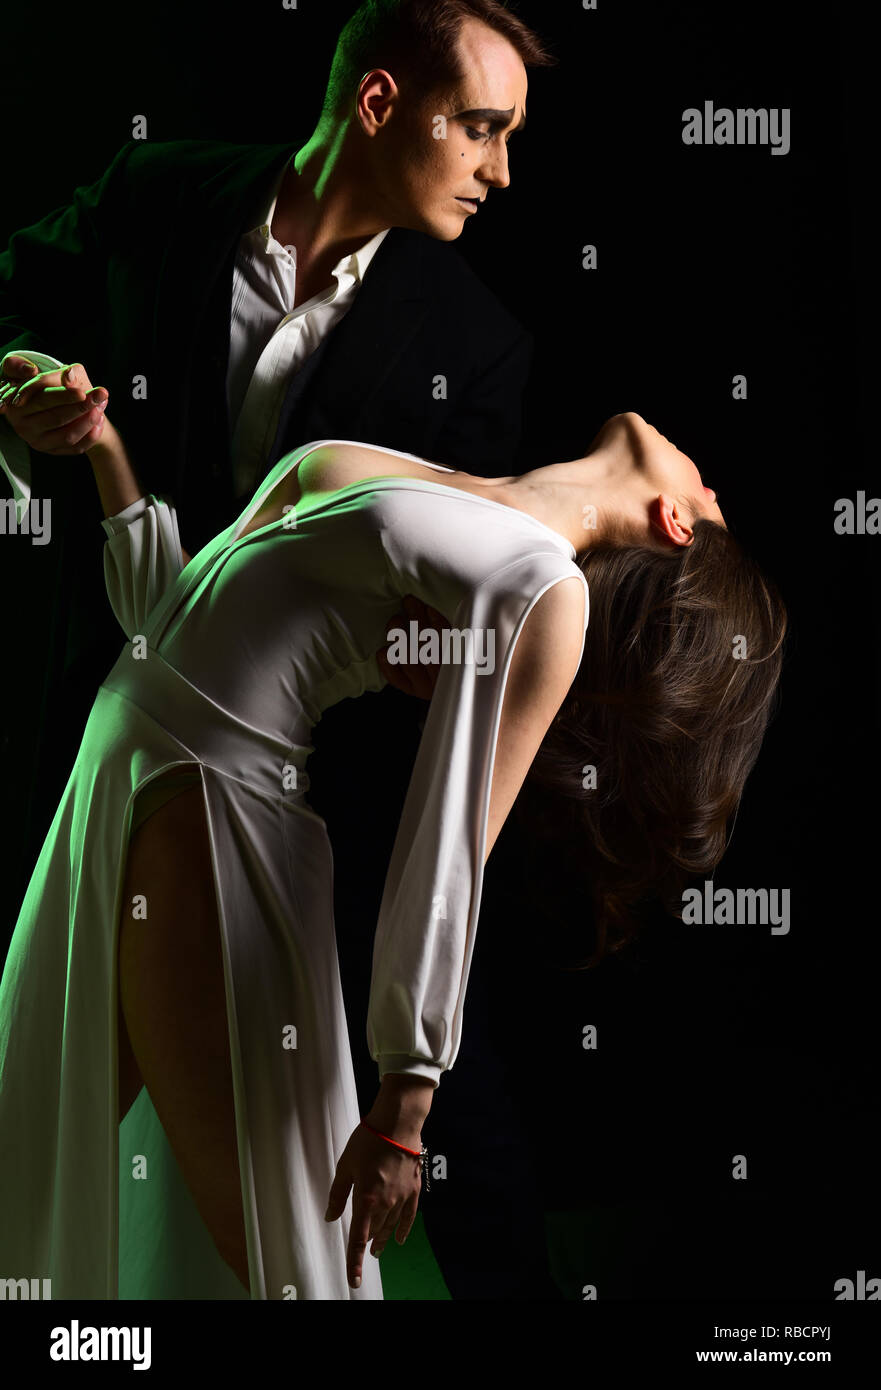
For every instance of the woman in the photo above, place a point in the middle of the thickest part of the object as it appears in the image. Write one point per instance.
(186, 812)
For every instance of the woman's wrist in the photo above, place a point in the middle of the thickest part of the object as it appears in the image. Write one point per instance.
(401, 1106)
(118, 485)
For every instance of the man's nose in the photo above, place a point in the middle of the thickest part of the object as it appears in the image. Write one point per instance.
(494, 167)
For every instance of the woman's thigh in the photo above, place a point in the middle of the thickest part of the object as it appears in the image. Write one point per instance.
(174, 1033)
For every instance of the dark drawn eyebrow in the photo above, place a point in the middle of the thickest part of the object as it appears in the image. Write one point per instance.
(497, 119)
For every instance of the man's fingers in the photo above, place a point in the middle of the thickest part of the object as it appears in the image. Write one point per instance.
(9, 392)
(396, 675)
(398, 620)
(35, 399)
(16, 368)
(423, 612)
(412, 678)
(35, 392)
(14, 386)
(434, 618)
(72, 379)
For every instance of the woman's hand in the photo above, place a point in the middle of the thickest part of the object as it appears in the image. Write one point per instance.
(55, 412)
(386, 1180)
(387, 1184)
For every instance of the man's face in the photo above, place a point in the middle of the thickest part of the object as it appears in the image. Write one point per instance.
(432, 184)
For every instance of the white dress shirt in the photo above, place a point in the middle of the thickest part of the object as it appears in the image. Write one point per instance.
(269, 341)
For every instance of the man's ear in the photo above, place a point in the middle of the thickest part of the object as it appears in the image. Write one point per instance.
(376, 98)
(670, 518)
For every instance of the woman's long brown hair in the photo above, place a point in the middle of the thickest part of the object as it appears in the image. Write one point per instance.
(677, 684)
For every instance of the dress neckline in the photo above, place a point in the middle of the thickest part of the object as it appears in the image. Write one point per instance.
(366, 484)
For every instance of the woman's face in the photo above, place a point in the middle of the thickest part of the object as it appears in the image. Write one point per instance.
(666, 467)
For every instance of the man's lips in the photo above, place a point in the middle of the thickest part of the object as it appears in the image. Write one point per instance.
(472, 203)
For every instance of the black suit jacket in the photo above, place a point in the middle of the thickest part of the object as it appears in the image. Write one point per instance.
(134, 279)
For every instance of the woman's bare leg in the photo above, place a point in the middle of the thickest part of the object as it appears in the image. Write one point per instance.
(130, 1079)
(173, 1025)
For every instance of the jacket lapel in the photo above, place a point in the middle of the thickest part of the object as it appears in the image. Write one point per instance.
(191, 323)
(333, 389)
(191, 333)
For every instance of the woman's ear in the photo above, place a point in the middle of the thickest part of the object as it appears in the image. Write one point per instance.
(669, 517)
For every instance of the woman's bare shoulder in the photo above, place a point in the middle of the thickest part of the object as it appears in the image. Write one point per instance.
(337, 465)
(340, 465)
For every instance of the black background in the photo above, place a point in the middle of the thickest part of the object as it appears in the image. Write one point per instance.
(714, 261)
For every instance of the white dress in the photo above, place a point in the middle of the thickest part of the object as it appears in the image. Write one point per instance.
(234, 659)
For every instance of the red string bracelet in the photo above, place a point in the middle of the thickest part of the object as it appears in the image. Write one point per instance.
(421, 1154)
(416, 1153)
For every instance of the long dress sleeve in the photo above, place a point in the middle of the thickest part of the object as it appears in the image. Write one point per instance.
(428, 915)
(142, 558)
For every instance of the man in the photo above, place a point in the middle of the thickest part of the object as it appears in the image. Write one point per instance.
(237, 302)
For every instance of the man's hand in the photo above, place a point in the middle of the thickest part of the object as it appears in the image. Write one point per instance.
(56, 412)
(421, 678)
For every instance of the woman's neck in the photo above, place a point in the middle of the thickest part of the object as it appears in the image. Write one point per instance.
(587, 500)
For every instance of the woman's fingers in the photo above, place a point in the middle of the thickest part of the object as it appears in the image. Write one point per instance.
(18, 368)
(43, 390)
(71, 437)
(408, 1216)
(72, 432)
(366, 1213)
(16, 371)
(53, 417)
(400, 1220)
(363, 1215)
(383, 1199)
(339, 1194)
(387, 1230)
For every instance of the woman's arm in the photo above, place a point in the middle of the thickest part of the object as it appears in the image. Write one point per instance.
(118, 485)
(114, 472)
(482, 733)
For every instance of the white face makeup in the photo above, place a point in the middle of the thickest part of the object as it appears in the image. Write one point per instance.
(440, 182)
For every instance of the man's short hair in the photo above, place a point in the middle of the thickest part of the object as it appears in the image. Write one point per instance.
(417, 42)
